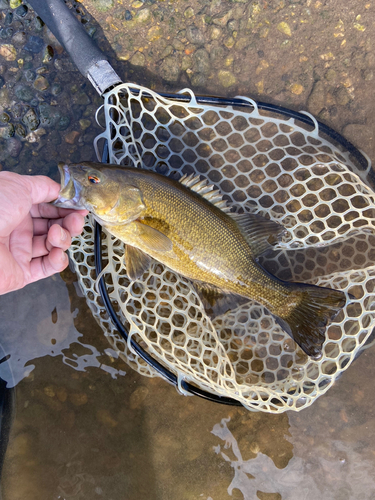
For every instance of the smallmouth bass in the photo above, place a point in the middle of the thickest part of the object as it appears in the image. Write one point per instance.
(186, 226)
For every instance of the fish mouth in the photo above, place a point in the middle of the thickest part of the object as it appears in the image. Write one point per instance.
(70, 190)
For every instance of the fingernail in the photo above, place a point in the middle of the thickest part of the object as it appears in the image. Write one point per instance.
(63, 234)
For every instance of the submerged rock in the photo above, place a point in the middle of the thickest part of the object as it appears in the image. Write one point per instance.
(226, 78)
(316, 100)
(8, 52)
(30, 119)
(34, 44)
(138, 59)
(201, 61)
(14, 147)
(169, 69)
(24, 92)
(195, 35)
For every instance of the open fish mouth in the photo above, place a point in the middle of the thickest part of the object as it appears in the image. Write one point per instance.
(69, 195)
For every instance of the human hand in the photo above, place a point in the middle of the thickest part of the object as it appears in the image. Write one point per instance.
(33, 234)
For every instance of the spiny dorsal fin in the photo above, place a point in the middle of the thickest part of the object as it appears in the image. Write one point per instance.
(195, 183)
(260, 233)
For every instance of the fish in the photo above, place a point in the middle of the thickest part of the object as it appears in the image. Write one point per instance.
(187, 226)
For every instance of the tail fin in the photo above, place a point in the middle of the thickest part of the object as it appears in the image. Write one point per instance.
(307, 322)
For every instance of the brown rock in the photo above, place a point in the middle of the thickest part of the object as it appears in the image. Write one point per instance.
(78, 398)
(71, 137)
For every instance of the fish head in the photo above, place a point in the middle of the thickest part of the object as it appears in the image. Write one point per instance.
(101, 189)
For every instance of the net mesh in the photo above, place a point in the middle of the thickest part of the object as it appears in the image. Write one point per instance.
(263, 163)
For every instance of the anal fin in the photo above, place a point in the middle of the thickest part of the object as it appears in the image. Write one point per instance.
(216, 301)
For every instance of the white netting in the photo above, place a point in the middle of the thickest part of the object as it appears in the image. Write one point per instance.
(264, 163)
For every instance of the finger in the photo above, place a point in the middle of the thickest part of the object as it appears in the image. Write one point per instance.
(74, 224)
(39, 247)
(48, 211)
(58, 237)
(42, 188)
(42, 267)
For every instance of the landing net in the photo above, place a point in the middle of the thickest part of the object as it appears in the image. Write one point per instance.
(265, 163)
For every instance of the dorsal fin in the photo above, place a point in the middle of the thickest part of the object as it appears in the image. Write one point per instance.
(195, 183)
(260, 233)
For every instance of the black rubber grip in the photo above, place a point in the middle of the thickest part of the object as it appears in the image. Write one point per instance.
(69, 32)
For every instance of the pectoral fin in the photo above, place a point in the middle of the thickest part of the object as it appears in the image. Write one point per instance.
(152, 238)
(136, 262)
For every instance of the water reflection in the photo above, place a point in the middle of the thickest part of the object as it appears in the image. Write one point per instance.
(39, 321)
(335, 470)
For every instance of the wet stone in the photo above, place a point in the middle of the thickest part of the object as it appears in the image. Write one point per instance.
(215, 33)
(48, 115)
(222, 19)
(142, 17)
(56, 89)
(19, 38)
(20, 130)
(24, 93)
(8, 18)
(34, 44)
(4, 118)
(84, 123)
(105, 418)
(316, 100)
(128, 15)
(186, 63)
(7, 132)
(367, 74)
(78, 398)
(31, 120)
(195, 35)
(138, 59)
(6, 33)
(42, 70)
(229, 42)
(201, 61)
(169, 69)
(72, 136)
(64, 123)
(178, 45)
(198, 79)
(8, 52)
(38, 23)
(29, 75)
(14, 147)
(41, 83)
(226, 78)
(189, 12)
(342, 96)
(48, 54)
(167, 51)
(330, 75)
(21, 11)
(232, 25)
(103, 5)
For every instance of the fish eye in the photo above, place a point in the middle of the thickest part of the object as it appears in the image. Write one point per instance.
(94, 179)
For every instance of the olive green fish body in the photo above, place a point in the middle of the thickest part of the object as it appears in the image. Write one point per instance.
(183, 228)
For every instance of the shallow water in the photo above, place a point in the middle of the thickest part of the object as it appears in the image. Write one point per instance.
(86, 426)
